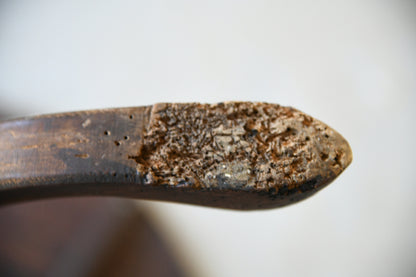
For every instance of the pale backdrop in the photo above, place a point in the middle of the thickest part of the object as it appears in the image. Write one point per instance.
(351, 64)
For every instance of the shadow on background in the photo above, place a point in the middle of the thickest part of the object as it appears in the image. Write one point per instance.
(81, 237)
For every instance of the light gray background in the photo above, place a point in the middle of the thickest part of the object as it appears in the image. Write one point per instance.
(351, 64)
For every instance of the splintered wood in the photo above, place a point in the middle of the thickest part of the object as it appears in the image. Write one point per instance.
(240, 146)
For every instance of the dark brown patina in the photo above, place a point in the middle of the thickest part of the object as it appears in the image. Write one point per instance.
(238, 155)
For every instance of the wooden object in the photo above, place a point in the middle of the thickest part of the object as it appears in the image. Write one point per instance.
(238, 155)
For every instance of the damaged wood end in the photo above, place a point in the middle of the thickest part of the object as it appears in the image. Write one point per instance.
(237, 155)
(240, 145)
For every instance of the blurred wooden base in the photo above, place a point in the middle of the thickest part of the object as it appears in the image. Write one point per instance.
(81, 237)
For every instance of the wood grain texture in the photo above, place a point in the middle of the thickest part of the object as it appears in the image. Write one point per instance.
(237, 155)
(70, 153)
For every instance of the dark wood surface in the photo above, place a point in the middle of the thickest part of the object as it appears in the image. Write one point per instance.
(139, 153)
(82, 153)
(85, 236)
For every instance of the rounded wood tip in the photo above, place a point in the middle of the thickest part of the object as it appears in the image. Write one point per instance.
(238, 155)
(261, 155)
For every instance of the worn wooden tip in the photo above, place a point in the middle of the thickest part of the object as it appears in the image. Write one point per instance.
(237, 155)
(275, 155)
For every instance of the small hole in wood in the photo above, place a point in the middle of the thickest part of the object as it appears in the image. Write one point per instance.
(131, 116)
(107, 133)
(117, 143)
(324, 156)
(253, 132)
(126, 137)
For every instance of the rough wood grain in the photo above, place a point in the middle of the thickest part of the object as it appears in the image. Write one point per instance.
(232, 155)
